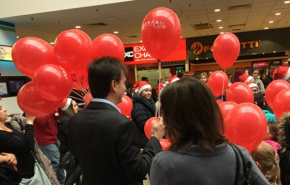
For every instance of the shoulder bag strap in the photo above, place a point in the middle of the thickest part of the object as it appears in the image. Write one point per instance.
(238, 163)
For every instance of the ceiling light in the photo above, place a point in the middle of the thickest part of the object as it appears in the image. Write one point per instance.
(277, 13)
(181, 36)
(206, 58)
(217, 10)
(196, 58)
(78, 27)
(221, 27)
(140, 40)
(263, 53)
(116, 32)
(221, 32)
(266, 28)
(219, 20)
(17, 37)
(271, 21)
(52, 43)
(286, 2)
(274, 51)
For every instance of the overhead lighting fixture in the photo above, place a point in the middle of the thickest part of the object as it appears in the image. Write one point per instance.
(274, 51)
(221, 27)
(206, 58)
(196, 58)
(277, 13)
(116, 32)
(17, 37)
(221, 32)
(52, 43)
(286, 2)
(217, 10)
(78, 27)
(263, 53)
(140, 40)
(271, 21)
(219, 20)
(266, 28)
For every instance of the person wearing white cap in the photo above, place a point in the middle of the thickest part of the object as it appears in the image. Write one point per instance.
(283, 73)
(253, 86)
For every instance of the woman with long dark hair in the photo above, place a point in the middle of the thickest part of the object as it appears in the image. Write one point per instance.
(199, 153)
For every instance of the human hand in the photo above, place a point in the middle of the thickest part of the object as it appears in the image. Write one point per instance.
(30, 118)
(11, 159)
(158, 129)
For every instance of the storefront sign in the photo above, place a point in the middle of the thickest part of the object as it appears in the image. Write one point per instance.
(260, 64)
(5, 53)
(137, 54)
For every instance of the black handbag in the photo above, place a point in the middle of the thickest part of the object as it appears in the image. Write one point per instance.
(243, 168)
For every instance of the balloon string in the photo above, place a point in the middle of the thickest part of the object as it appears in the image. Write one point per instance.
(159, 67)
(77, 94)
(76, 98)
(81, 87)
(223, 89)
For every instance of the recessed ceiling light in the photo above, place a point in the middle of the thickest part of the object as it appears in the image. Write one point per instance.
(52, 43)
(274, 51)
(219, 20)
(277, 13)
(221, 27)
(286, 2)
(116, 32)
(217, 10)
(263, 53)
(271, 21)
(266, 28)
(196, 58)
(221, 32)
(78, 27)
(206, 58)
(17, 37)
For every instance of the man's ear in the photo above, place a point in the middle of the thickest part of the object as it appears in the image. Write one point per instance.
(114, 85)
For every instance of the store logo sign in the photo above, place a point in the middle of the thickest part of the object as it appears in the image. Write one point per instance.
(5, 53)
(137, 53)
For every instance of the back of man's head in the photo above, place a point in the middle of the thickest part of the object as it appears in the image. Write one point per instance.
(101, 73)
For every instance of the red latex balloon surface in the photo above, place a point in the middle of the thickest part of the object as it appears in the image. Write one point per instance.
(226, 107)
(80, 80)
(108, 45)
(126, 105)
(30, 53)
(246, 125)
(31, 103)
(148, 126)
(273, 89)
(226, 49)
(218, 83)
(72, 49)
(165, 144)
(281, 103)
(52, 82)
(161, 32)
(240, 93)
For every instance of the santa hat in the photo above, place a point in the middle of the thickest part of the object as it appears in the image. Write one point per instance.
(141, 85)
(251, 84)
(172, 79)
(157, 87)
(245, 78)
(65, 104)
(281, 72)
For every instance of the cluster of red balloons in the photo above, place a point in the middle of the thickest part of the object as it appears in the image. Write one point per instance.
(56, 70)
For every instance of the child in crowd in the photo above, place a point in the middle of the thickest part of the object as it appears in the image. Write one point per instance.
(265, 158)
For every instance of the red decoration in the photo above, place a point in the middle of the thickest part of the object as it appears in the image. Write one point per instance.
(126, 105)
(226, 107)
(148, 126)
(165, 144)
(273, 89)
(218, 83)
(240, 93)
(281, 104)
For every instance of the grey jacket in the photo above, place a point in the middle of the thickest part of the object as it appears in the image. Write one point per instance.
(18, 122)
(201, 166)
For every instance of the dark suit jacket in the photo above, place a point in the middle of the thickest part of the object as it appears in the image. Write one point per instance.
(106, 145)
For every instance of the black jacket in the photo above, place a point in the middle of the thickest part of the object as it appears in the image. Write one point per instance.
(63, 134)
(106, 145)
(143, 109)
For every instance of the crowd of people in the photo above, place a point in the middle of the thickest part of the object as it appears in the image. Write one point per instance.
(99, 145)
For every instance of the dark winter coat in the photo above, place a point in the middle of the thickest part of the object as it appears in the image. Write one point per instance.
(63, 135)
(143, 109)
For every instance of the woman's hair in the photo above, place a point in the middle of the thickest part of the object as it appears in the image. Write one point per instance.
(284, 132)
(274, 130)
(191, 115)
(202, 74)
(237, 74)
(259, 99)
(265, 155)
(70, 111)
(256, 69)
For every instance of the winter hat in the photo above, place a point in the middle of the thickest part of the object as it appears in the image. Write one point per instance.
(281, 72)
(270, 117)
(251, 84)
(245, 78)
(157, 88)
(65, 104)
(141, 85)
(172, 79)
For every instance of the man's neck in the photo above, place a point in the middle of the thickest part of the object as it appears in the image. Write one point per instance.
(112, 99)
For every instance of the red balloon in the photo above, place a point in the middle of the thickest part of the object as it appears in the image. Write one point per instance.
(80, 80)
(218, 83)
(31, 103)
(165, 144)
(240, 93)
(226, 49)
(148, 126)
(246, 125)
(30, 53)
(161, 32)
(126, 105)
(273, 89)
(72, 49)
(52, 82)
(226, 107)
(108, 45)
(88, 98)
(281, 103)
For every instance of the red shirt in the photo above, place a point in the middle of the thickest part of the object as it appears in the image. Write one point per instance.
(46, 129)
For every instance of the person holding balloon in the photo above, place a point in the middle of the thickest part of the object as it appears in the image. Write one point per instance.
(198, 148)
(143, 108)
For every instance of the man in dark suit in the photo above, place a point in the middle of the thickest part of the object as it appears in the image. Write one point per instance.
(104, 141)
